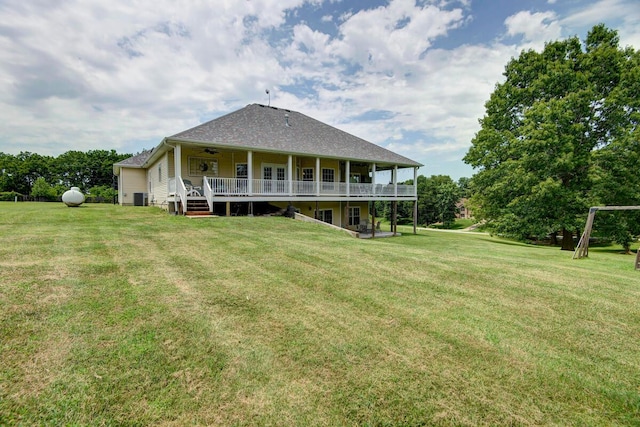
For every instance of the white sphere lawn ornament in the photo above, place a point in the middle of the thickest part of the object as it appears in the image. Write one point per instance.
(73, 197)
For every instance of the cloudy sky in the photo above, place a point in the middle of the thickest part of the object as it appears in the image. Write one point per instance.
(409, 75)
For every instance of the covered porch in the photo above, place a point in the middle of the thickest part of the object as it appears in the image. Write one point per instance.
(239, 187)
(235, 182)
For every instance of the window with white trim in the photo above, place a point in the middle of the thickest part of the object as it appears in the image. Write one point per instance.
(354, 215)
(242, 170)
(307, 174)
(201, 166)
(328, 178)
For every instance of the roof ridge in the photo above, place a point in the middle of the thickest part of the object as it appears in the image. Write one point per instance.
(270, 128)
(275, 108)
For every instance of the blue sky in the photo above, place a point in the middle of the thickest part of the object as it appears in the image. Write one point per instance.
(409, 75)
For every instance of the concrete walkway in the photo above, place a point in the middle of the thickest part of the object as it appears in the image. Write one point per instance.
(379, 235)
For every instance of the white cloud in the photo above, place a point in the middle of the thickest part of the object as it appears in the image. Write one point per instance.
(388, 38)
(623, 15)
(83, 73)
(428, 92)
(91, 74)
(536, 28)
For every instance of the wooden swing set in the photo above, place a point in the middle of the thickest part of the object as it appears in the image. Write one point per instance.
(582, 250)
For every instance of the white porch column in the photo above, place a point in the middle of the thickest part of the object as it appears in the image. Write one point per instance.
(373, 179)
(250, 172)
(177, 161)
(347, 178)
(415, 183)
(290, 173)
(395, 181)
(318, 176)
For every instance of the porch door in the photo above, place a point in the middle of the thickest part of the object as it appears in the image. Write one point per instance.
(326, 215)
(274, 177)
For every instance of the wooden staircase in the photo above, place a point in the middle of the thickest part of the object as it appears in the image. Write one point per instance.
(197, 207)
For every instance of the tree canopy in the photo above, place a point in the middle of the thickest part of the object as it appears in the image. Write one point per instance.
(22, 172)
(438, 196)
(558, 134)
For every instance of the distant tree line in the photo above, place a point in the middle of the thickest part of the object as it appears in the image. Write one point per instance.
(438, 198)
(47, 177)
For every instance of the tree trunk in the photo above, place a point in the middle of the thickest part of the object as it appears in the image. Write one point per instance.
(554, 238)
(567, 240)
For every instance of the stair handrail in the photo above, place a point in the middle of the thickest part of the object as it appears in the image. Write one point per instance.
(182, 194)
(207, 192)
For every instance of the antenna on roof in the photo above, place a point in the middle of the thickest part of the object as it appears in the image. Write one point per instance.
(268, 93)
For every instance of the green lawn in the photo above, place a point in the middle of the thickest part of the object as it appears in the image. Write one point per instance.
(459, 224)
(129, 316)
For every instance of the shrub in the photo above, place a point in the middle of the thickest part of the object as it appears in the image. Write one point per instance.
(10, 196)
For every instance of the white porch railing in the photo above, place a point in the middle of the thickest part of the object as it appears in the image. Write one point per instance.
(181, 191)
(264, 187)
(207, 192)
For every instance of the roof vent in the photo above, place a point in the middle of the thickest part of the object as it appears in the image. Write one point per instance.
(286, 120)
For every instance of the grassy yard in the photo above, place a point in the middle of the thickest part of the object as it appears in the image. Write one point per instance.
(459, 224)
(130, 316)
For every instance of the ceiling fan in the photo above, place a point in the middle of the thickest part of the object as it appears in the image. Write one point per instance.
(210, 150)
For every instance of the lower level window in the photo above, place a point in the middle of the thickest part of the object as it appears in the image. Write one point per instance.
(354, 215)
(326, 215)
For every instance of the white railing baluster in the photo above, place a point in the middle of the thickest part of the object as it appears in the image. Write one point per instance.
(265, 187)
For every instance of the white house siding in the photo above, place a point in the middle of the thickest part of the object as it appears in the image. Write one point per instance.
(171, 170)
(131, 181)
(158, 178)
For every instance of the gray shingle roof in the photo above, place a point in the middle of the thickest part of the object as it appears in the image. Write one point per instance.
(137, 160)
(264, 128)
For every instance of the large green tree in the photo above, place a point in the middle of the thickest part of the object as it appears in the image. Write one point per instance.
(437, 199)
(19, 172)
(617, 165)
(438, 196)
(542, 132)
(86, 170)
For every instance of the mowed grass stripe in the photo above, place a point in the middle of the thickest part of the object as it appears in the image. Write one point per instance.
(131, 316)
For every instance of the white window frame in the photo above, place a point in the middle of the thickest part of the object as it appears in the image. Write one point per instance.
(274, 185)
(246, 165)
(352, 215)
(328, 185)
(306, 172)
(274, 170)
(195, 165)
